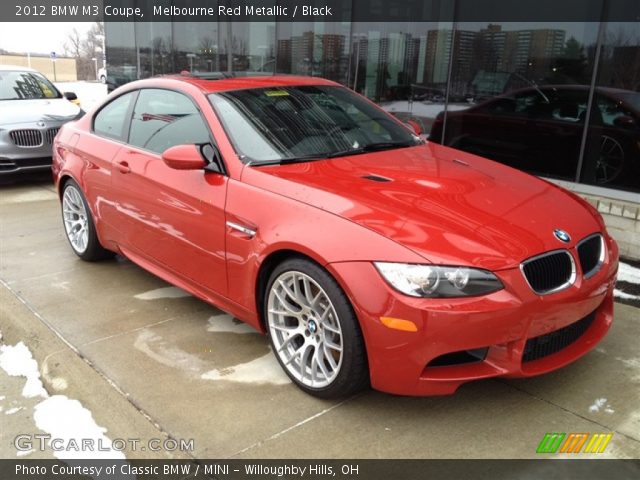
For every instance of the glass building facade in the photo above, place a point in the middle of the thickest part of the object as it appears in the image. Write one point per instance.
(560, 100)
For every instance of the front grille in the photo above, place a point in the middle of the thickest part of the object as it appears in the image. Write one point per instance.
(50, 134)
(544, 345)
(26, 138)
(549, 272)
(591, 254)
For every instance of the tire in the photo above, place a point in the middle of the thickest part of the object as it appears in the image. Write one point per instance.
(313, 330)
(611, 160)
(79, 226)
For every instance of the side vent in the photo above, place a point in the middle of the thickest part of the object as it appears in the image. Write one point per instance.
(376, 178)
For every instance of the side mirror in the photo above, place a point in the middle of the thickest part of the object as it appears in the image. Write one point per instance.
(70, 96)
(184, 157)
(414, 127)
(624, 121)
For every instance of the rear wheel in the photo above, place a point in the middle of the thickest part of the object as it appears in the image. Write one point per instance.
(610, 163)
(313, 330)
(79, 226)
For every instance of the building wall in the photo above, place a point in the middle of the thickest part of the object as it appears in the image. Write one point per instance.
(556, 99)
(65, 68)
(623, 223)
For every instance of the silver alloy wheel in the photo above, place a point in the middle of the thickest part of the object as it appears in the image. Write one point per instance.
(305, 329)
(75, 219)
(610, 161)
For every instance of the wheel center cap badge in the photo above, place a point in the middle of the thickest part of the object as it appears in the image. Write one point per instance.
(562, 235)
(312, 326)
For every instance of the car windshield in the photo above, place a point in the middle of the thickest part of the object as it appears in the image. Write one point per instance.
(16, 85)
(302, 123)
(632, 98)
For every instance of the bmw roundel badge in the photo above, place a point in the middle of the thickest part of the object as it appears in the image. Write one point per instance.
(562, 235)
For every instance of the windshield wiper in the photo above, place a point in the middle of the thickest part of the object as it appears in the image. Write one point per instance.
(289, 160)
(372, 147)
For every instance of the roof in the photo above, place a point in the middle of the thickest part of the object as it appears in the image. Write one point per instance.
(19, 68)
(224, 83)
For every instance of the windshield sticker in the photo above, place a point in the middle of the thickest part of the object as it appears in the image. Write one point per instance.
(46, 91)
(276, 93)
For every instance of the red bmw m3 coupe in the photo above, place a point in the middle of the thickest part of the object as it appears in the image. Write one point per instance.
(368, 256)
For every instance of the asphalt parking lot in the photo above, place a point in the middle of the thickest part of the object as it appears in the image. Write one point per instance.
(148, 360)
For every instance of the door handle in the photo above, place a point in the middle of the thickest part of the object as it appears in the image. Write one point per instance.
(123, 167)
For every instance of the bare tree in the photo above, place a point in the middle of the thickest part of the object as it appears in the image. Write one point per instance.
(620, 57)
(84, 48)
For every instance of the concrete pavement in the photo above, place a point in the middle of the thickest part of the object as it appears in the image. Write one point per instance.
(150, 361)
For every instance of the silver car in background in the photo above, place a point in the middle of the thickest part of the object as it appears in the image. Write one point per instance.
(32, 110)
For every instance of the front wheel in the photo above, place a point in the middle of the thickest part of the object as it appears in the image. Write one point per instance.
(314, 331)
(79, 226)
(610, 163)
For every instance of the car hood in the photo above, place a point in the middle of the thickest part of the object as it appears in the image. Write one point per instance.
(447, 206)
(46, 110)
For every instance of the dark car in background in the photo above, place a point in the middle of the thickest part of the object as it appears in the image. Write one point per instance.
(32, 110)
(540, 130)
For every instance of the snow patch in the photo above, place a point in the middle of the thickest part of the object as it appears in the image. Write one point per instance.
(264, 369)
(627, 296)
(227, 324)
(627, 273)
(13, 410)
(166, 292)
(67, 419)
(601, 404)
(17, 361)
(598, 404)
(58, 415)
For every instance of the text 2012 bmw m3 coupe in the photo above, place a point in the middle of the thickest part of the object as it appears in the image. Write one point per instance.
(367, 255)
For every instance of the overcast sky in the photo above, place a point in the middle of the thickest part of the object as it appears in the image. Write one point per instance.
(37, 37)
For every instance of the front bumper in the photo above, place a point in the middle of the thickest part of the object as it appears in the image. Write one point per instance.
(509, 332)
(31, 155)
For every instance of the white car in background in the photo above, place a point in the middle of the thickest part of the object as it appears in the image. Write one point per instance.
(32, 110)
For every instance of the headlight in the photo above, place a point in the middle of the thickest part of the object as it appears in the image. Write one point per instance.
(433, 281)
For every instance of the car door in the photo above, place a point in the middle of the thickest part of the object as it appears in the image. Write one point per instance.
(494, 130)
(171, 218)
(555, 131)
(97, 151)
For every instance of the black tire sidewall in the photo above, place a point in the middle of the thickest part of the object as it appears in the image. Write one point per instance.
(353, 374)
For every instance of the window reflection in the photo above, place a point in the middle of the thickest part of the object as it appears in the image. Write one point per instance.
(403, 66)
(317, 49)
(519, 93)
(612, 147)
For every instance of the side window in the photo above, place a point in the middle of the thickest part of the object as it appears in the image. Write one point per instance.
(570, 107)
(610, 110)
(112, 119)
(163, 119)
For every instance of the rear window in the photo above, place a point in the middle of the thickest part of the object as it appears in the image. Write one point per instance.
(16, 85)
